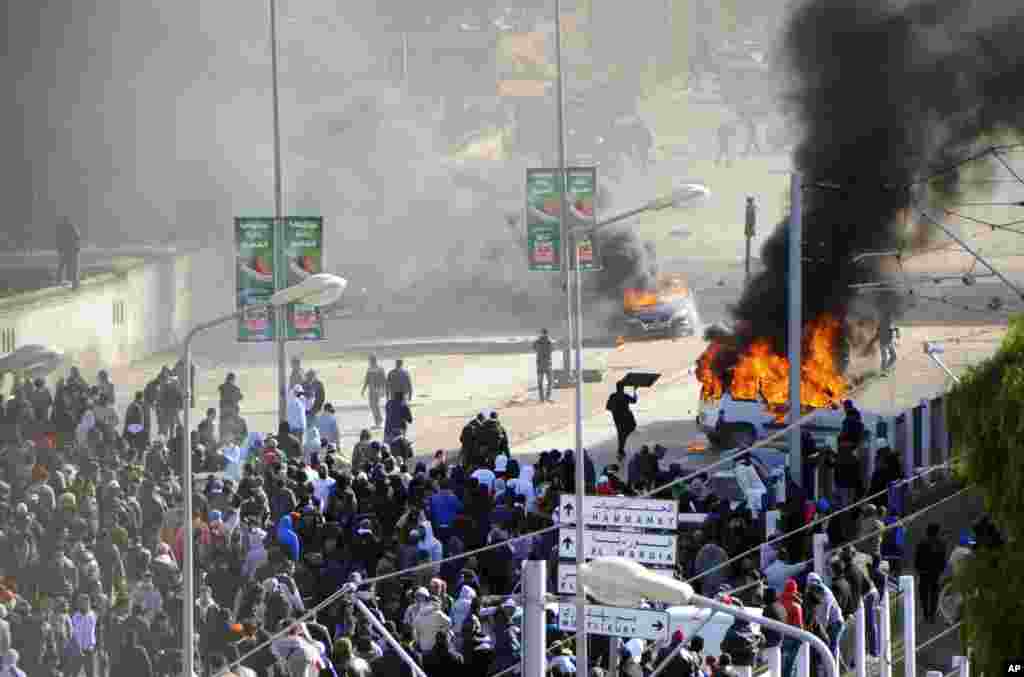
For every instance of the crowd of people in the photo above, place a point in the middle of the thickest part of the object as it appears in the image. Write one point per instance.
(92, 536)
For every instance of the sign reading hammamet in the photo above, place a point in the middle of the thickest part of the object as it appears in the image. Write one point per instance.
(618, 511)
(652, 549)
(616, 622)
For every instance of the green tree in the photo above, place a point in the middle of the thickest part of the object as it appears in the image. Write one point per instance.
(986, 420)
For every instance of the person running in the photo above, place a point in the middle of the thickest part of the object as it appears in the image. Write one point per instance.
(625, 422)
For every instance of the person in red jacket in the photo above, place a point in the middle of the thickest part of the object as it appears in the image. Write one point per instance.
(793, 605)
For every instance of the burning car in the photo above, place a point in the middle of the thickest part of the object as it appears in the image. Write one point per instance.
(668, 309)
(745, 391)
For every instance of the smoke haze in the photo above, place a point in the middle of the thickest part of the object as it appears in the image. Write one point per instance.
(886, 94)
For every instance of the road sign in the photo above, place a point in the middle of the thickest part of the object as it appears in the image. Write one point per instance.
(567, 575)
(650, 549)
(619, 511)
(616, 622)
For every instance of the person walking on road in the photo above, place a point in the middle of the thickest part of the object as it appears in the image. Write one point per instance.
(69, 246)
(543, 347)
(625, 422)
(399, 381)
(375, 387)
(930, 562)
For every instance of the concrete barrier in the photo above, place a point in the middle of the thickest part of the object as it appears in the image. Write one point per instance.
(118, 318)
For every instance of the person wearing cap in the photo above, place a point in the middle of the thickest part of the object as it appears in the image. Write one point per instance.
(297, 411)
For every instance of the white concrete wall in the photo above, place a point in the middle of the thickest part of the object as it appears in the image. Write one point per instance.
(162, 299)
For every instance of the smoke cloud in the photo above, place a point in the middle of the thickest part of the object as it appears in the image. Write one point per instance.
(886, 93)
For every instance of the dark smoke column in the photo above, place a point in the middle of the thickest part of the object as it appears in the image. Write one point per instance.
(885, 97)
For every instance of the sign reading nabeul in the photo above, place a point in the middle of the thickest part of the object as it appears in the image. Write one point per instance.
(651, 549)
(620, 511)
(616, 622)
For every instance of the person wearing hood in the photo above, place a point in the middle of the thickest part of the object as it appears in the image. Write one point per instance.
(793, 605)
(288, 539)
(462, 608)
(522, 485)
(428, 623)
(421, 598)
(828, 613)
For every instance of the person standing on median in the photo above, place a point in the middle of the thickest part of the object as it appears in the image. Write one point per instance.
(399, 381)
(543, 347)
(69, 246)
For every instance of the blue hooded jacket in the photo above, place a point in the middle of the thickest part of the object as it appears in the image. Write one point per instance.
(288, 539)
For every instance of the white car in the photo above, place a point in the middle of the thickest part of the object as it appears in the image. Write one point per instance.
(734, 423)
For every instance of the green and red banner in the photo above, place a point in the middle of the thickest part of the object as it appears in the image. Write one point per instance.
(271, 256)
(544, 225)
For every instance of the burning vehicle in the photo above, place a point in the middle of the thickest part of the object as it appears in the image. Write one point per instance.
(665, 309)
(745, 386)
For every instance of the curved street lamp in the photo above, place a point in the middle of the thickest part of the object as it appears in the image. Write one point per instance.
(317, 290)
(622, 582)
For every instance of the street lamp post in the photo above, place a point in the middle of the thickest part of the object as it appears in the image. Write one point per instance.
(622, 582)
(280, 330)
(317, 290)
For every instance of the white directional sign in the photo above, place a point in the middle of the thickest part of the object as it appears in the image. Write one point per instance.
(619, 511)
(650, 549)
(616, 622)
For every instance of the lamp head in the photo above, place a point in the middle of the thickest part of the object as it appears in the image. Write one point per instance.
(618, 581)
(933, 348)
(321, 289)
(689, 195)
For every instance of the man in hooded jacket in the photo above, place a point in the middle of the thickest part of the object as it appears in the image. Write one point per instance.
(828, 613)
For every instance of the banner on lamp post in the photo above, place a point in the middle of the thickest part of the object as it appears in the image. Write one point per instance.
(255, 277)
(302, 255)
(582, 200)
(543, 222)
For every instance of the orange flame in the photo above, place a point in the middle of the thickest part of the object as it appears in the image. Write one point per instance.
(760, 371)
(711, 387)
(635, 299)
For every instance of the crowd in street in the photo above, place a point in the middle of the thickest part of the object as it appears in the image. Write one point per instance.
(92, 540)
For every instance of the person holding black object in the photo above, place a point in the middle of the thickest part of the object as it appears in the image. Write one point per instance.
(625, 422)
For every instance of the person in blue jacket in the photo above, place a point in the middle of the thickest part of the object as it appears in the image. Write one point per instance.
(443, 508)
(288, 539)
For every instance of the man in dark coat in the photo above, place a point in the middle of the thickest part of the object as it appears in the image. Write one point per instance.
(69, 246)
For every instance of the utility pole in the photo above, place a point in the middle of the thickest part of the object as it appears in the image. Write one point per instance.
(281, 279)
(795, 324)
(750, 232)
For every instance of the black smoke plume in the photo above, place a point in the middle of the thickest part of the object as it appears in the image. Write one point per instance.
(887, 95)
